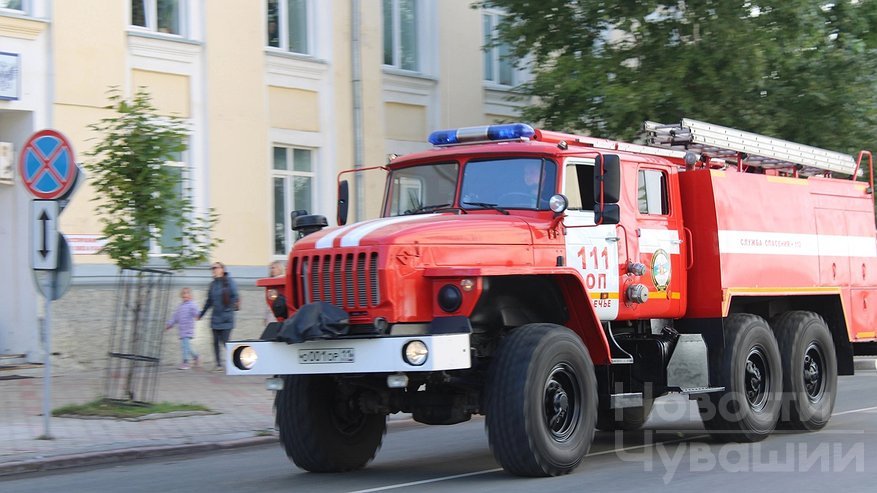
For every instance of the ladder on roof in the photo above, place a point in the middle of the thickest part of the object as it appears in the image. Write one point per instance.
(751, 149)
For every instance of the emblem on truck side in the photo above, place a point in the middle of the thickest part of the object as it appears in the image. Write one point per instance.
(661, 269)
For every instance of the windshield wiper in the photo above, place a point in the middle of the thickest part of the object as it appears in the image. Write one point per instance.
(425, 208)
(487, 205)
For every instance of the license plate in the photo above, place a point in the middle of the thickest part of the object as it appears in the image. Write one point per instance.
(328, 355)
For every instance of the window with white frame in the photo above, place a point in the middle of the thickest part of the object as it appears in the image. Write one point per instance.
(161, 16)
(401, 43)
(499, 68)
(287, 25)
(171, 232)
(293, 183)
(18, 6)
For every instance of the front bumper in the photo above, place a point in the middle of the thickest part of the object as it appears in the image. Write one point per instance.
(349, 355)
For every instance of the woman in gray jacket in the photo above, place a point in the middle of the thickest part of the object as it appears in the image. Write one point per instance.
(222, 296)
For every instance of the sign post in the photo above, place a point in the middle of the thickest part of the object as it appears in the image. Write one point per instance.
(49, 172)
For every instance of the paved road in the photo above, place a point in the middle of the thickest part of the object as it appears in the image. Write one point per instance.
(841, 458)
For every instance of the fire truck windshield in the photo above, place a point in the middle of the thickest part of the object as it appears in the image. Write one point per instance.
(499, 184)
(513, 183)
(422, 189)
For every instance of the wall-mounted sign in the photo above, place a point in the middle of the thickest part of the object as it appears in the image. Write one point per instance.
(81, 244)
(10, 70)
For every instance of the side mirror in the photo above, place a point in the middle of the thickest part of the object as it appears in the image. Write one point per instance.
(607, 179)
(343, 201)
(607, 214)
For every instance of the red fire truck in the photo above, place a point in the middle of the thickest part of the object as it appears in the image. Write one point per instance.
(558, 284)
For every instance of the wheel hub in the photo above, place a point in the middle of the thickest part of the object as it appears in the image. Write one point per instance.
(813, 372)
(560, 397)
(757, 378)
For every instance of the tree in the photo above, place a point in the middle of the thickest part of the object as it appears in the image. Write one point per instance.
(137, 194)
(794, 69)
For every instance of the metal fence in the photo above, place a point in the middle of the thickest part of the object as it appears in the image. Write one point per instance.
(135, 338)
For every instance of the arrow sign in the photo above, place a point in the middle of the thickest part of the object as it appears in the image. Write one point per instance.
(45, 235)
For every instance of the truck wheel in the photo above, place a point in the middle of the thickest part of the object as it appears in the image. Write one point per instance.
(751, 372)
(541, 401)
(320, 430)
(626, 419)
(809, 370)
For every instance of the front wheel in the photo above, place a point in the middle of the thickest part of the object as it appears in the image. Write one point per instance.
(321, 428)
(751, 372)
(541, 401)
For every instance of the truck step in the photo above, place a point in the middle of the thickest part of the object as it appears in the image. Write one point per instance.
(696, 391)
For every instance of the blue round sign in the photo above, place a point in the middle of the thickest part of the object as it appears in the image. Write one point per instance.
(47, 165)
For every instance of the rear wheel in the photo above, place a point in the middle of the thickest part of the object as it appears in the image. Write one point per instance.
(809, 370)
(541, 401)
(321, 429)
(750, 371)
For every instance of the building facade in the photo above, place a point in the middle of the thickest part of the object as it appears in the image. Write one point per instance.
(279, 96)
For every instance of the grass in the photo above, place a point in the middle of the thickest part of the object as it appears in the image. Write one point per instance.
(122, 409)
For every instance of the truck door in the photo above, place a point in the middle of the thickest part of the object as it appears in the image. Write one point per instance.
(592, 250)
(659, 243)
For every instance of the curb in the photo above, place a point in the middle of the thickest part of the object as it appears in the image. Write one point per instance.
(120, 455)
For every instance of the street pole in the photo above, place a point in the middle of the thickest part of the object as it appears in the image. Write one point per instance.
(47, 362)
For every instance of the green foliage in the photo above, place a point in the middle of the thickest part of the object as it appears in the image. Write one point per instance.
(136, 191)
(795, 69)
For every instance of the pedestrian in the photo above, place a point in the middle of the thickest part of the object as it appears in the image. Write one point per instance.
(275, 269)
(184, 318)
(222, 297)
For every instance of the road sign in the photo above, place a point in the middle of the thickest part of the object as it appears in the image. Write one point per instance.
(44, 226)
(47, 165)
(53, 284)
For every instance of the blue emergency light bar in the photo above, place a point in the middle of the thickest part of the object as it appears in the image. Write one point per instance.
(509, 131)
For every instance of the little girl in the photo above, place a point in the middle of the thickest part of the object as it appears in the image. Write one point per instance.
(184, 317)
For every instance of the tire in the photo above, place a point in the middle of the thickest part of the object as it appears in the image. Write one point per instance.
(541, 401)
(320, 431)
(809, 370)
(630, 418)
(751, 372)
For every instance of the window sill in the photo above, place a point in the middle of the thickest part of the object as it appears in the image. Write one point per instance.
(391, 70)
(134, 32)
(494, 86)
(276, 52)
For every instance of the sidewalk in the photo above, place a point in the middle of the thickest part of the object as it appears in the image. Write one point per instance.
(244, 416)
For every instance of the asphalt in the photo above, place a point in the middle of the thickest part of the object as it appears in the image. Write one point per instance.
(241, 415)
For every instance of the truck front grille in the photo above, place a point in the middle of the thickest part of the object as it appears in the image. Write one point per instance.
(347, 280)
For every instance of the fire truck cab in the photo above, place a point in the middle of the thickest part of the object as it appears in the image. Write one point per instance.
(557, 284)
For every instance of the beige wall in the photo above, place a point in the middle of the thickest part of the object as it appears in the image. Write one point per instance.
(461, 73)
(239, 187)
(406, 122)
(85, 68)
(294, 109)
(170, 92)
(89, 50)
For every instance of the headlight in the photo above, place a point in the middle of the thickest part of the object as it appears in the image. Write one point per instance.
(415, 353)
(558, 203)
(244, 357)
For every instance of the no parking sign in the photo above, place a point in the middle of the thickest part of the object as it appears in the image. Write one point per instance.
(47, 166)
